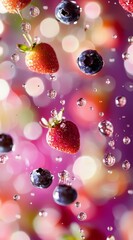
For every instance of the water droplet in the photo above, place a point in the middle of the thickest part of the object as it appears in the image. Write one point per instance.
(126, 165)
(110, 228)
(101, 114)
(78, 204)
(91, 108)
(82, 216)
(58, 159)
(18, 157)
(52, 93)
(125, 55)
(86, 27)
(16, 197)
(34, 11)
(26, 27)
(130, 39)
(110, 237)
(126, 140)
(43, 213)
(81, 102)
(109, 160)
(52, 77)
(62, 102)
(15, 57)
(53, 113)
(3, 158)
(106, 128)
(120, 101)
(64, 177)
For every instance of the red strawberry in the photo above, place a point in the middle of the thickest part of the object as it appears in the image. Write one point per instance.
(13, 6)
(40, 58)
(62, 134)
(127, 5)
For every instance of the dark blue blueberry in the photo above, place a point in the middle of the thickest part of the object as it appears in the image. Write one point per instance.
(67, 12)
(90, 62)
(64, 195)
(41, 178)
(6, 143)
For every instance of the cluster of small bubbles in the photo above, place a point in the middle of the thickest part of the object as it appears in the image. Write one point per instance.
(3, 158)
(43, 213)
(126, 140)
(52, 77)
(126, 165)
(45, 7)
(36, 39)
(130, 191)
(53, 112)
(15, 57)
(107, 81)
(109, 160)
(52, 93)
(125, 55)
(110, 228)
(25, 27)
(82, 216)
(130, 39)
(16, 197)
(34, 11)
(106, 128)
(111, 143)
(110, 237)
(62, 102)
(58, 159)
(86, 27)
(101, 114)
(81, 102)
(78, 204)
(120, 101)
(114, 36)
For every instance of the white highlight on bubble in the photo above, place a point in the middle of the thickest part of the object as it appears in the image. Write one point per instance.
(92, 10)
(34, 87)
(70, 43)
(4, 89)
(32, 130)
(49, 27)
(19, 235)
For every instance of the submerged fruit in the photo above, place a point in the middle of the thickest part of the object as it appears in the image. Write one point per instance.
(64, 195)
(41, 178)
(6, 143)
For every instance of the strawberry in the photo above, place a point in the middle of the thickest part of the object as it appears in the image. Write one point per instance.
(40, 58)
(14, 6)
(63, 135)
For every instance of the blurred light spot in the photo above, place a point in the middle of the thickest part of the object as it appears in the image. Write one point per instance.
(19, 235)
(34, 86)
(92, 10)
(4, 89)
(22, 184)
(49, 27)
(32, 131)
(1, 27)
(8, 211)
(3, 49)
(128, 66)
(70, 43)
(7, 70)
(97, 35)
(2, 8)
(85, 167)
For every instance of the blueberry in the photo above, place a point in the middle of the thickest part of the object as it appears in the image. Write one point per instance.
(6, 143)
(41, 178)
(67, 12)
(64, 195)
(90, 62)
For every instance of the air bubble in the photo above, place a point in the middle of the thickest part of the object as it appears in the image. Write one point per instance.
(3, 158)
(101, 114)
(81, 102)
(43, 213)
(37, 39)
(16, 197)
(106, 128)
(26, 27)
(111, 144)
(109, 160)
(58, 159)
(53, 113)
(125, 55)
(15, 57)
(110, 237)
(78, 204)
(126, 140)
(52, 77)
(108, 81)
(62, 102)
(120, 101)
(126, 165)
(34, 11)
(82, 216)
(52, 93)
(110, 228)
(130, 39)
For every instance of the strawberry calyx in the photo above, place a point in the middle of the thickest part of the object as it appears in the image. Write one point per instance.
(23, 48)
(53, 121)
